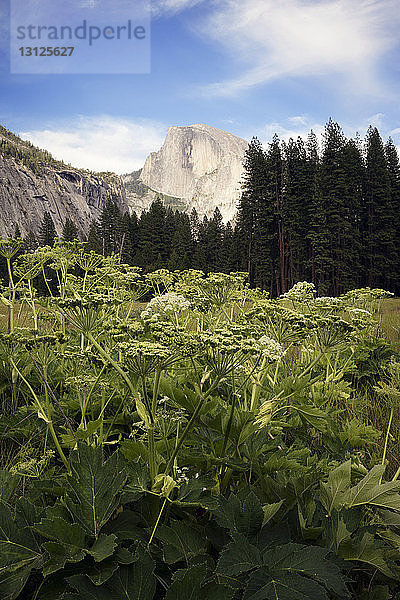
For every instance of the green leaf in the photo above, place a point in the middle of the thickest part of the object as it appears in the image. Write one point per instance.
(239, 556)
(314, 416)
(100, 572)
(306, 560)
(56, 588)
(197, 491)
(58, 529)
(134, 582)
(14, 551)
(263, 586)
(368, 550)
(87, 590)
(59, 555)
(332, 492)
(94, 487)
(370, 491)
(103, 547)
(138, 474)
(188, 586)
(181, 540)
(125, 526)
(8, 484)
(243, 516)
(270, 511)
(12, 583)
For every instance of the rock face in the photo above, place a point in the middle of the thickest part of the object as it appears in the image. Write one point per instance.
(32, 182)
(198, 166)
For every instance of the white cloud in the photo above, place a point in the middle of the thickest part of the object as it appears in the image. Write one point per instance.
(171, 7)
(267, 39)
(101, 143)
(294, 127)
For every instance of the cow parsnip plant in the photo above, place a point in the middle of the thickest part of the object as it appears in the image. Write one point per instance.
(211, 444)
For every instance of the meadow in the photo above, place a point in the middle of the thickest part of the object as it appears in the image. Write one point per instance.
(173, 435)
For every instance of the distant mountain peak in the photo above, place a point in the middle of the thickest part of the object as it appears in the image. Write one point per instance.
(198, 165)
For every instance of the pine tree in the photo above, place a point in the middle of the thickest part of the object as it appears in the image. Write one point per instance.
(134, 234)
(152, 245)
(109, 228)
(30, 242)
(194, 224)
(125, 250)
(273, 224)
(181, 244)
(47, 230)
(296, 211)
(93, 239)
(228, 260)
(316, 238)
(254, 190)
(70, 231)
(351, 259)
(380, 230)
(393, 165)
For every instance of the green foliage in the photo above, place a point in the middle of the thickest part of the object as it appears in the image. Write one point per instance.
(207, 445)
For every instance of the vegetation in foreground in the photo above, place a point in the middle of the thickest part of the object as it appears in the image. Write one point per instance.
(214, 444)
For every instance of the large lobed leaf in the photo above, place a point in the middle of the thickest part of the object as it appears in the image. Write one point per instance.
(94, 487)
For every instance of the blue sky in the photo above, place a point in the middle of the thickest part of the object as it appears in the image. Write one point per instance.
(252, 67)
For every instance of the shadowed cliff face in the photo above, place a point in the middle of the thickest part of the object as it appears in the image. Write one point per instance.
(199, 166)
(31, 182)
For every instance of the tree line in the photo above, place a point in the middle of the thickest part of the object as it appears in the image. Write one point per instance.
(329, 215)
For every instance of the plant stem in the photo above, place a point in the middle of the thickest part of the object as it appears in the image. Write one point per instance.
(48, 419)
(189, 424)
(386, 441)
(112, 362)
(157, 522)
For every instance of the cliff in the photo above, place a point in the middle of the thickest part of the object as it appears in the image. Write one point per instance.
(198, 166)
(32, 182)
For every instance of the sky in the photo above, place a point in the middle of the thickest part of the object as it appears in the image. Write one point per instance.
(251, 67)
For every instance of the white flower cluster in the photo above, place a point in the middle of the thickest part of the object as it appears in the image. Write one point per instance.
(360, 312)
(328, 301)
(269, 348)
(301, 291)
(165, 305)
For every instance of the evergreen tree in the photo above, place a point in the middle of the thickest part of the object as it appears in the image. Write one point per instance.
(125, 250)
(351, 250)
(134, 234)
(228, 259)
(94, 242)
(181, 243)
(70, 231)
(152, 245)
(109, 228)
(296, 211)
(253, 196)
(47, 230)
(194, 224)
(316, 237)
(380, 241)
(30, 242)
(393, 165)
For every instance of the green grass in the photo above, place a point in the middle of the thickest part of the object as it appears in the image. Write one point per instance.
(391, 319)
